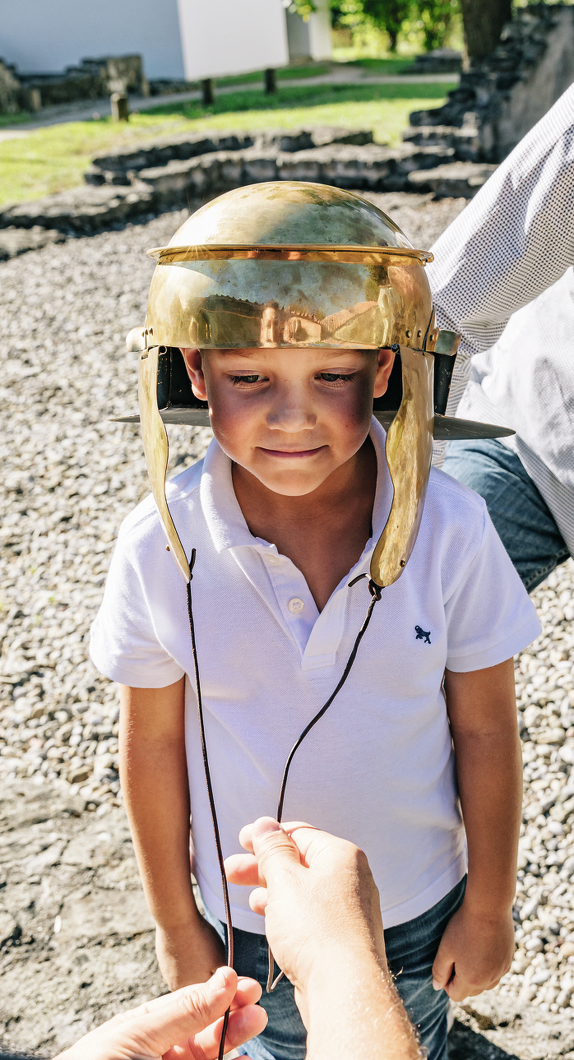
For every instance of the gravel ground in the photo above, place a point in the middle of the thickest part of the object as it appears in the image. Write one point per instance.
(70, 476)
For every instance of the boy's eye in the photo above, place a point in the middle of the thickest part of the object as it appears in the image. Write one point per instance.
(237, 380)
(334, 377)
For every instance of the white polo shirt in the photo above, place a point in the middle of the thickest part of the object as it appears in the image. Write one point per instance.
(378, 769)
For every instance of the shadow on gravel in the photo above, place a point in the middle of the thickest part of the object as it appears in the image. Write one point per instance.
(465, 1044)
(23, 1056)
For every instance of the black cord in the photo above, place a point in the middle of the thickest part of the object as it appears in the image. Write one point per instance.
(375, 592)
(210, 797)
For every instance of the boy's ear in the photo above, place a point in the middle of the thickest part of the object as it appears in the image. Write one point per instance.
(192, 359)
(386, 359)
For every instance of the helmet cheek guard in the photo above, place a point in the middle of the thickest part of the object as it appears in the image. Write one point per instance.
(291, 264)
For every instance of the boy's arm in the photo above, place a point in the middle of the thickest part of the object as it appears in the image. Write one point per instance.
(154, 780)
(477, 947)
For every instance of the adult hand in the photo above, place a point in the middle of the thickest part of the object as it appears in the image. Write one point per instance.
(306, 881)
(188, 954)
(182, 1026)
(474, 953)
(323, 922)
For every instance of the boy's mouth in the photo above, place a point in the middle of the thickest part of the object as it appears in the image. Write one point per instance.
(286, 454)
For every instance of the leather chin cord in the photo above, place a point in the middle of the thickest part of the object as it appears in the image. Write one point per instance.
(375, 591)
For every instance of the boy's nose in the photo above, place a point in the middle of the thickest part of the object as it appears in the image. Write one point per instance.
(291, 418)
(291, 411)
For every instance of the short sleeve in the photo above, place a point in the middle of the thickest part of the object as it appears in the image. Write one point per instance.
(124, 642)
(490, 616)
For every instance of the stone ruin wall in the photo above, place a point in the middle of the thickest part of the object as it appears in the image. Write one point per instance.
(539, 87)
(500, 98)
(92, 79)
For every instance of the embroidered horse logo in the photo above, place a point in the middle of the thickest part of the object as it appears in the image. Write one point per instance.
(422, 634)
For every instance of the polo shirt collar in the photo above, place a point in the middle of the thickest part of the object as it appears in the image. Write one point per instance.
(226, 522)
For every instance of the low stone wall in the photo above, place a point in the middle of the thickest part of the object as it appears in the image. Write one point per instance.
(137, 183)
(90, 209)
(372, 168)
(120, 167)
(439, 61)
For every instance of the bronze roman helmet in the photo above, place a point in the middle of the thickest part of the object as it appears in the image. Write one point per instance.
(295, 264)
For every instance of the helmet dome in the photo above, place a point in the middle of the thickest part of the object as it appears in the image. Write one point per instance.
(289, 263)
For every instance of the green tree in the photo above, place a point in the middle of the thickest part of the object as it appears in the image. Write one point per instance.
(389, 15)
(304, 8)
(436, 17)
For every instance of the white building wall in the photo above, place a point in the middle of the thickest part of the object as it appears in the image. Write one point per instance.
(298, 36)
(320, 31)
(222, 37)
(45, 36)
(310, 39)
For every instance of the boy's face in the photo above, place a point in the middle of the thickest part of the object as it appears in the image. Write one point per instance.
(290, 417)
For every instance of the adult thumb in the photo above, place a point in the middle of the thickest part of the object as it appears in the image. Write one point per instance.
(274, 849)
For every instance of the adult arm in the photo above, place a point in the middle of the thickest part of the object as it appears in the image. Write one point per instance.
(154, 780)
(190, 1019)
(323, 922)
(478, 944)
(514, 239)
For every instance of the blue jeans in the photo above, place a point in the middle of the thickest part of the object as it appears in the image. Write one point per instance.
(520, 514)
(411, 950)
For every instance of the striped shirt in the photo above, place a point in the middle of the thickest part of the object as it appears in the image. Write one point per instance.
(503, 277)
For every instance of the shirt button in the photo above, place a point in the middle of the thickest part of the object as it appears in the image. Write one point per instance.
(295, 605)
(272, 559)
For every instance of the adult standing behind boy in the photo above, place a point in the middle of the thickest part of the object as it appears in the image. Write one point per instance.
(284, 513)
(511, 251)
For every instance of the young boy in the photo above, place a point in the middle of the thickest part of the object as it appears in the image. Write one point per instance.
(284, 514)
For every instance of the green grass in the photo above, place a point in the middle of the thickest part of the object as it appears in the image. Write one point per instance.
(294, 105)
(285, 73)
(55, 158)
(382, 66)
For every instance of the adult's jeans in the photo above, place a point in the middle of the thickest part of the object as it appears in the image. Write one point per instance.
(411, 950)
(520, 514)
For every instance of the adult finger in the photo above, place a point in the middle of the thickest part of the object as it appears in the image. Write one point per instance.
(273, 847)
(311, 841)
(242, 869)
(258, 900)
(248, 992)
(245, 1023)
(262, 825)
(185, 1013)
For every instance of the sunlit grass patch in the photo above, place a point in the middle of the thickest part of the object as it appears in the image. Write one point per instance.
(55, 158)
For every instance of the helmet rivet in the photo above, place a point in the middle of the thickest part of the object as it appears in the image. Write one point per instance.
(419, 333)
(407, 333)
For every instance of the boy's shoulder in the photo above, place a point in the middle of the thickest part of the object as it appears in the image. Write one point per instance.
(182, 491)
(455, 524)
(452, 500)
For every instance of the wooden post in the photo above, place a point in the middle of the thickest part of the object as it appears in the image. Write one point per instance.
(270, 81)
(34, 99)
(207, 92)
(119, 102)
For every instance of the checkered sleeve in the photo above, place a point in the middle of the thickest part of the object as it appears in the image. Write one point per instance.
(512, 241)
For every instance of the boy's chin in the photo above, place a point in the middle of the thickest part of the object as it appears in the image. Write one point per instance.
(291, 486)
